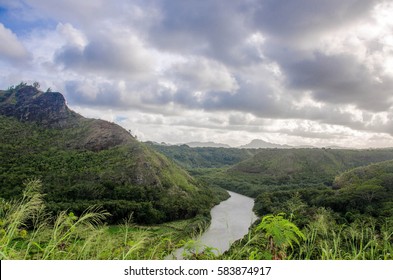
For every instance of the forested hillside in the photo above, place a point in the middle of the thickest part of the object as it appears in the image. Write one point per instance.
(306, 165)
(83, 162)
(364, 190)
(204, 157)
(313, 203)
(289, 168)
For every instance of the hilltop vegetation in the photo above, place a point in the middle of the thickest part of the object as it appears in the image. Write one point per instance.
(361, 191)
(83, 162)
(367, 190)
(204, 157)
(275, 169)
(306, 165)
(255, 171)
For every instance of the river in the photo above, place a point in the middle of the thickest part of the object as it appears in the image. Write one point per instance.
(230, 221)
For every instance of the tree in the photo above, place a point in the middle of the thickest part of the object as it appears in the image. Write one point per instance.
(294, 205)
(280, 233)
(36, 85)
(369, 192)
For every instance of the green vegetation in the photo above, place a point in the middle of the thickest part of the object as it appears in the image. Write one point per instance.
(28, 231)
(97, 180)
(122, 179)
(361, 191)
(322, 238)
(280, 233)
(84, 162)
(203, 157)
(251, 172)
(342, 213)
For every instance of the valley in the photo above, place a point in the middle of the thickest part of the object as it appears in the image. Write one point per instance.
(69, 183)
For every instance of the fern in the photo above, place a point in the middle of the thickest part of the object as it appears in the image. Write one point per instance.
(281, 233)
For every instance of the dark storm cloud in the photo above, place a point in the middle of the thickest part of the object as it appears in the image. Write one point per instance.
(214, 28)
(291, 19)
(106, 54)
(338, 79)
(102, 95)
(219, 30)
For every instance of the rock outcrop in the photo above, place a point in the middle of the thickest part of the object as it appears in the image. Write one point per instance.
(49, 109)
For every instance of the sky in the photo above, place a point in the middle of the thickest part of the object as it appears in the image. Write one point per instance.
(301, 72)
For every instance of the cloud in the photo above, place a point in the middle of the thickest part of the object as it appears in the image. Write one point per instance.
(214, 28)
(201, 75)
(114, 54)
(293, 69)
(294, 20)
(11, 49)
(340, 79)
(93, 93)
(72, 36)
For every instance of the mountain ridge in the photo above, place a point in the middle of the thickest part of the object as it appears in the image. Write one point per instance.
(208, 144)
(83, 162)
(49, 109)
(261, 144)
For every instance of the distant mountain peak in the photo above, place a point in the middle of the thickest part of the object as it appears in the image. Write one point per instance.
(207, 144)
(261, 144)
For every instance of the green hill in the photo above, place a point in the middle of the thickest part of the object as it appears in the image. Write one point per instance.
(366, 189)
(204, 157)
(83, 161)
(252, 171)
(287, 166)
(362, 190)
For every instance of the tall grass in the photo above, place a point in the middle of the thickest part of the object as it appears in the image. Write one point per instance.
(28, 232)
(17, 216)
(364, 239)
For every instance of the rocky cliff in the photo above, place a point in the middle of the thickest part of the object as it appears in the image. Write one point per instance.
(49, 109)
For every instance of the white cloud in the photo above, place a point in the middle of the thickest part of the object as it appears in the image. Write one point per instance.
(11, 48)
(73, 36)
(199, 74)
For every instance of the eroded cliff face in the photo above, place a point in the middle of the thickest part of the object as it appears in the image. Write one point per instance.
(27, 103)
(49, 109)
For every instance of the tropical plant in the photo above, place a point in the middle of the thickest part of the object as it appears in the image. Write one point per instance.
(280, 233)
